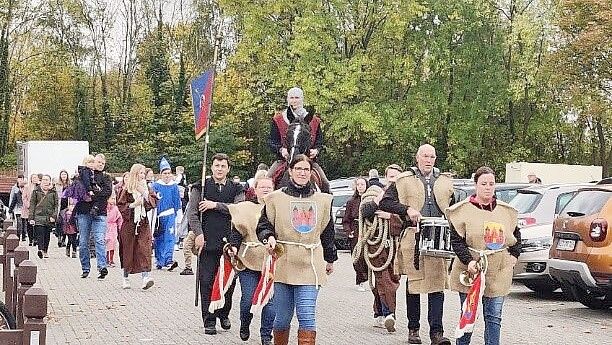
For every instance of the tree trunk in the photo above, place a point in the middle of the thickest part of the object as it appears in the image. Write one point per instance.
(602, 147)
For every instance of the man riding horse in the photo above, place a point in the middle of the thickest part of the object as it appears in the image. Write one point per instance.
(306, 126)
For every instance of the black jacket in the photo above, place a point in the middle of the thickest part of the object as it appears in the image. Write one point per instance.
(214, 224)
(100, 198)
(275, 143)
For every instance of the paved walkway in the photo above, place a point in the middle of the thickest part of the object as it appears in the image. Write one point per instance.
(88, 311)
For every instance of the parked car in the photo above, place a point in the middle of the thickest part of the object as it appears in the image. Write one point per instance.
(503, 191)
(532, 267)
(341, 184)
(340, 197)
(581, 252)
(539, 204)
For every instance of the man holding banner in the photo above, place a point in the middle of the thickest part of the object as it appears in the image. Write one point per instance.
(210, 233)
(487, 242)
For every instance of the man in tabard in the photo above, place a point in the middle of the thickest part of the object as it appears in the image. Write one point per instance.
(421, 191)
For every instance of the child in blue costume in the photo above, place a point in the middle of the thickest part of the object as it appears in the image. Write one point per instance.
(168, 213)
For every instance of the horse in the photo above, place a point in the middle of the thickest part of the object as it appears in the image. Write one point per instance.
(298, 141)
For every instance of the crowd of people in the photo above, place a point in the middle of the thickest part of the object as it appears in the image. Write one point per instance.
(100, 216)
(289, 230)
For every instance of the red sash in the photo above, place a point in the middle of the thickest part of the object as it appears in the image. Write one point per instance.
(223, 280)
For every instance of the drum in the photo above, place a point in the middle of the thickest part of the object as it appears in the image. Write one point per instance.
(435, 237)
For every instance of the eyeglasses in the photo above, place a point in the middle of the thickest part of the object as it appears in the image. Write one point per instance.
(298, 169)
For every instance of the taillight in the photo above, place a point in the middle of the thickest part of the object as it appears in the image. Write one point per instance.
(598, 230)
(526, 221)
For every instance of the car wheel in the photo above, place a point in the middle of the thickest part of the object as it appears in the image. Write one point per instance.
(542, 288)
(568, 291)
(592, 300)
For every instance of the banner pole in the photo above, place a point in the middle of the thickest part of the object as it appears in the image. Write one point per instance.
(205, 158)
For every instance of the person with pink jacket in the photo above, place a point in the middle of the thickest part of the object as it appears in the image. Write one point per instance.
(114, 220)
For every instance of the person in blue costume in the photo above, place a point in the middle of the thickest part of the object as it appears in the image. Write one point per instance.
(168, 213)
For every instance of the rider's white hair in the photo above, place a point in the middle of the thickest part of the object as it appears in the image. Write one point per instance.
(299, 110)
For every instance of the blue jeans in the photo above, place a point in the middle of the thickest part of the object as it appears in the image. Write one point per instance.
(96, 227)
(248, 284)
(492, 311)
(302, 299)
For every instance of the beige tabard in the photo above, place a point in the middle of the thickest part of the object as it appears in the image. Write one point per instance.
(432, 273)
(245, 216)
(485, 230)
(298, 223)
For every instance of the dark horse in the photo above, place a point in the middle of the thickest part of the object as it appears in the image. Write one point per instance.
(298, 141)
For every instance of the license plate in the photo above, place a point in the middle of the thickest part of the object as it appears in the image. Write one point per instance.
(566, 244)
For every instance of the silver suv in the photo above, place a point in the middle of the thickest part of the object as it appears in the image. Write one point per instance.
(539, 204)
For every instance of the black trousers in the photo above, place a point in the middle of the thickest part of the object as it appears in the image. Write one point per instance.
(22, 227)
(31, 237)
(43, 236)
(208, 264)
(72, 241)
(434, 313)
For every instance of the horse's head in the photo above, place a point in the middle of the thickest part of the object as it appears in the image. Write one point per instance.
(298, 139)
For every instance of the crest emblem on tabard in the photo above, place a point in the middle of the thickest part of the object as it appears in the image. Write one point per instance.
(303, 216)
(494, 237)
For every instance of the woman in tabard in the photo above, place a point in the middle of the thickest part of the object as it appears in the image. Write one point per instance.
(484, 229)
(299, 218)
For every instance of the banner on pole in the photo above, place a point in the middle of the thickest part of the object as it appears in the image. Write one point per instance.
(471, 306)
(201, 97)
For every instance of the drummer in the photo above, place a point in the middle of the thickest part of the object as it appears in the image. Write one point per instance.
(421, 191)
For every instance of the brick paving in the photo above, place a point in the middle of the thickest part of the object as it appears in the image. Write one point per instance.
(88, 311)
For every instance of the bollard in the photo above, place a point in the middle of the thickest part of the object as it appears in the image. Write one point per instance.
(8, 263)
(21, 255)
(34, 312)
(11, 230)
(26, 278)
(11, 336)
(7, 223)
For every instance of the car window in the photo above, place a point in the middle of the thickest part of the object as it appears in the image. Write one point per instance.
(525, 202)
(340, 200)
(586, 202)
(462, 193)
(506, 195)
(562, 200)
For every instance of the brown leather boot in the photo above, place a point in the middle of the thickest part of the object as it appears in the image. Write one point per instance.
(438, 339)
(413, 336)
(281, 337)
(306, 337)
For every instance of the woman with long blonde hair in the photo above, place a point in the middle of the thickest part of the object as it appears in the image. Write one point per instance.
(135, 237)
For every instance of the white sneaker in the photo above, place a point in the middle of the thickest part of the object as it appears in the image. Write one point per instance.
(390, 323)
(126, 284)
(361, 287)
(379, 322)
(147, 283)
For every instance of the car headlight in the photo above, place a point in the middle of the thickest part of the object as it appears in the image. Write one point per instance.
(538, 243)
